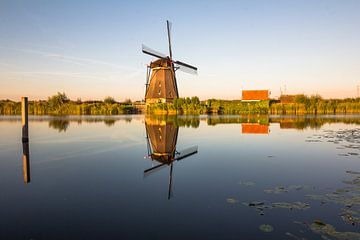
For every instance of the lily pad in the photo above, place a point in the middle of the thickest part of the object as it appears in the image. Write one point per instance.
(266, 228)
(285, 189)
(255, 203)
(247, 184)
(295, 205)
(231, 200)
(328, 230)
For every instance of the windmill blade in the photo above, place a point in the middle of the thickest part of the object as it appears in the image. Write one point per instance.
(151, 170)
(152, 52)
(186, 153)
(185, 67)
(170, 193)
(168, 25)
(148, 145)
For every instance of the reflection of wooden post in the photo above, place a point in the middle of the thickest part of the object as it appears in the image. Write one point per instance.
(26, 162)
(24, 119)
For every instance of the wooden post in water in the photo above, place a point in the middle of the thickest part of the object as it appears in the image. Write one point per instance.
(26, 162)
(24, 119)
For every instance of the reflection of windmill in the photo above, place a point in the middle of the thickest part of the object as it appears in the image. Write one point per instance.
(161, 85)
(161, 139)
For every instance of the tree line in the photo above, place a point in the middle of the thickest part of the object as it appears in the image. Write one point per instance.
(60, 104)
(315, 104)
(299, 105)
(194, 106)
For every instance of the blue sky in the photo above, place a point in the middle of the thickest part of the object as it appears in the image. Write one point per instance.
(92, 49)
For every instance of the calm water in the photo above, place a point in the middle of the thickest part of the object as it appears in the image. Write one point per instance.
(251, 178)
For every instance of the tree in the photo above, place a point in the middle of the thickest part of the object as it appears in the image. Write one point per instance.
(56, 101)
(300, 98)
(109, 100)
(195, 101)
(127, 101)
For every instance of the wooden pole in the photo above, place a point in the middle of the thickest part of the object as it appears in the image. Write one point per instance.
(24, 119)
(26, 162)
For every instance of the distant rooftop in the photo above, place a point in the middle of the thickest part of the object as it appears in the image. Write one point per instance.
(255, 95)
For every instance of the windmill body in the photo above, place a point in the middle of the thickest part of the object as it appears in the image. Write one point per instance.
(161, 85)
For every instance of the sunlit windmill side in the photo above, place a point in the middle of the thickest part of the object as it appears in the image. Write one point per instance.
(161, 84)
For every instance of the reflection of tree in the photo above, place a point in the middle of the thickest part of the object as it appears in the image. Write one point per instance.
(179, 121)
(311, 122)
(231, 119)
(109, 122)
(60, 124)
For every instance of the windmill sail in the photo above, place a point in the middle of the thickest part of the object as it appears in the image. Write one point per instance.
(161, 84)
(168, 24)
(151, 52)
(186, 153)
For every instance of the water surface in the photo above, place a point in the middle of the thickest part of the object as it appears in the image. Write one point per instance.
(246, 177)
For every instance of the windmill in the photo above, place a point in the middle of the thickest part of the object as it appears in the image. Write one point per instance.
(161, 85)
(161, 139)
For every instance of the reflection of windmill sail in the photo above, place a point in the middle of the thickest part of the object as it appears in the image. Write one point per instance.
(162, 139)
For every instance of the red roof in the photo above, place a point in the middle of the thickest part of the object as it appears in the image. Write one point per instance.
(255, 95)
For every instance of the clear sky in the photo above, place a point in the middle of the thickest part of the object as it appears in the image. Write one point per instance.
(92, 49)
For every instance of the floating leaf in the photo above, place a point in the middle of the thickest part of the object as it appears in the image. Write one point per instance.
(328, 230)
(319, 222)
(266, 228)
(295, 205)
(255, 203)
(247, 184)
(232, 200)
(352, 172)
(285, 189)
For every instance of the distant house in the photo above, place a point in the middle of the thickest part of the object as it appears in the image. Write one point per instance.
(255, 95)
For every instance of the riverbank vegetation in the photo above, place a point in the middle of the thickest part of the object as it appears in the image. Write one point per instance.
(60, 104)
(315, 104)
(212, 106)
(300, 105)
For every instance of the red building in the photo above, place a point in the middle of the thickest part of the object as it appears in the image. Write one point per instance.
(255, 95)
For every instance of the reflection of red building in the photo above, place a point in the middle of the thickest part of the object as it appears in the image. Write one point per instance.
(287, 125)
(254, 128)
